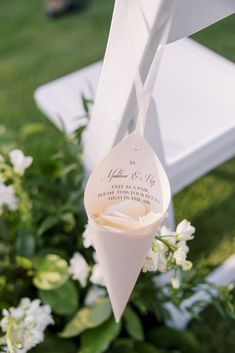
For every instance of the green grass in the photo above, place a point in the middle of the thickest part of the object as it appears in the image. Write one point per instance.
(35, 50)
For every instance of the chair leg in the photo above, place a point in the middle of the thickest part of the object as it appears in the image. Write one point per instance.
(169, 221)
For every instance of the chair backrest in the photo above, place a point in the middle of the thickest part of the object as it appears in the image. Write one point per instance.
(115, 99)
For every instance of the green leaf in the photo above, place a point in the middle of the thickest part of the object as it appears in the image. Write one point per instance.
(63, 300)
(52, 272)
(98, 340)
(48, 223)
(88, 317)
(24, 262)
(25, 243)
(133, 324)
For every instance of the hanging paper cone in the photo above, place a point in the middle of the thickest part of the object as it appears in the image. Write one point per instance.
(126, 173)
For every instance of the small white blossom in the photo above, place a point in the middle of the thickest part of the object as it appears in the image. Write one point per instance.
(87, 236)
(187, 265)
(97, 275)
(19, 161)
(7, 197)
(175, 282)
(180, 256)
(185, 230)
(25, 325)
(150, 263)
(168, 235)
(182, 244)
(170, 250)
(79, 269)
(156, 258)
(94, 294)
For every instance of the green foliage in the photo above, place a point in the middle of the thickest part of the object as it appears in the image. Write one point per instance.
(47, 224)
(169, 338)
(98, 340)
(54, 184)
(63, 300)
(25, 243)
(51, 272)
(88, 317)
(133, 324)
(53, 344)
(24, 262)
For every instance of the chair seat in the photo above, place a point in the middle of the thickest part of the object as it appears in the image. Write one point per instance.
(61, 99)
(195, 96)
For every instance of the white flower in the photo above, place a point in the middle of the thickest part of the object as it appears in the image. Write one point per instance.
(156, 258)
(19, 161)
(187, 265)
(97, 275)
(127, 215)
(175, 282)
(185, 230)
(151, 262)
(79, 269)
(1, 158)
(183, 245)
(94, 294)
(7, 197)
(87, 236)
(180, 256)
(25, 325)
(168, 235)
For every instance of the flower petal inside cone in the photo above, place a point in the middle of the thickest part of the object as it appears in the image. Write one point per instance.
(126, 216)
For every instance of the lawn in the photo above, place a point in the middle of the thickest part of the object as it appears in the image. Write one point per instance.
(35, 50)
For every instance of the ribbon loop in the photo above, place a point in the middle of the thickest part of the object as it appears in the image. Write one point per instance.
(144, 90)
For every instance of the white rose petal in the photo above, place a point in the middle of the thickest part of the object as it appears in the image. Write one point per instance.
(118, 221)
(133, 209)
(79, 269)
(19, 161)
(149, 218)
(126, 216)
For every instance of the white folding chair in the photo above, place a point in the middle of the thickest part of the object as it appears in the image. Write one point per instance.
(194, 129)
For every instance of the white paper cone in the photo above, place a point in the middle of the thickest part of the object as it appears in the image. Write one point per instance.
(125, 173)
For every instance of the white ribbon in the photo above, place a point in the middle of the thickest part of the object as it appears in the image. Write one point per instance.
(144, 89)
